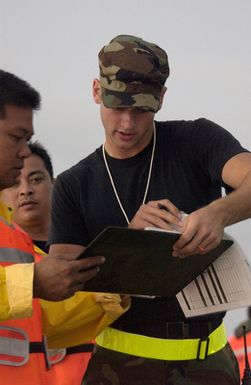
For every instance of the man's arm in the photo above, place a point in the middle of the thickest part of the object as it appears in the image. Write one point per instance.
(203, 229)
(61, 274)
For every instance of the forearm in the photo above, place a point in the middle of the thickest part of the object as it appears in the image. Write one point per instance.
(236, 206)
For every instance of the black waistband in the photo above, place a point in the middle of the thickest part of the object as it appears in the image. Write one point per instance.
(38, 347)
(174, 330)
(85, 348)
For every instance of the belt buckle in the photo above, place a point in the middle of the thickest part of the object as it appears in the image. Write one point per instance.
(177, 330)
(201, 340)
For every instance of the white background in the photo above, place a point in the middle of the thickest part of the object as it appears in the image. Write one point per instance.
(53, 44)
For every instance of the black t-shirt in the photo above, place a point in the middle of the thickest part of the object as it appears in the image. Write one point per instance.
(187, 167)
(42, 245)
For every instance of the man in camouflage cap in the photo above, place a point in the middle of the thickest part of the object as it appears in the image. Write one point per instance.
(132, 73)
(145, 166)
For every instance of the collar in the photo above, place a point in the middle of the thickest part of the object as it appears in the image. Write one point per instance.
(5, 212)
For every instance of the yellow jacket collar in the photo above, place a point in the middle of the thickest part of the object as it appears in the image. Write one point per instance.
(5, 212)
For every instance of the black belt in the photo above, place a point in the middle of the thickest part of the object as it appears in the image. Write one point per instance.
(85, 348)
(172, 330)
(39, 347)
(181, 330)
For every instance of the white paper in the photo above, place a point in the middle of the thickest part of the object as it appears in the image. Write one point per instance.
(225, 285)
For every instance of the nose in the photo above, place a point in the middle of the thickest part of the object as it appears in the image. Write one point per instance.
(25, 188)
(24, 150)
(128, 118)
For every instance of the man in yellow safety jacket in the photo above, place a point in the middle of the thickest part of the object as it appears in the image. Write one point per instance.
(66, 323)
(24, 354)
(57, 278)
(30, 199)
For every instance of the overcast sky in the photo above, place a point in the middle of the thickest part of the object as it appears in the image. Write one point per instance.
(53, 44)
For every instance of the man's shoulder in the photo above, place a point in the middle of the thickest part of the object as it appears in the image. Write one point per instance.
(178, 129)
(182, 124)
(186, 128)
(86, 164)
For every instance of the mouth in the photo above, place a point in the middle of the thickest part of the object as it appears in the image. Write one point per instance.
(27, 203)
(125, 135)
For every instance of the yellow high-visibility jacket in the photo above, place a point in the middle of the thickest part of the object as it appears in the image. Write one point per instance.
(66, 323)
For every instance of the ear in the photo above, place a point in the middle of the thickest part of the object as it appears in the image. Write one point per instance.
(96, 91)
(162, 96)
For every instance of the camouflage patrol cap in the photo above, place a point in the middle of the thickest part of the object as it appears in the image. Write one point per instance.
(132, 73)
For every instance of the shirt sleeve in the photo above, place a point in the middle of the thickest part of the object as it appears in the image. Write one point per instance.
(16, 286)
(213, 146)
(67, 225)
(80, 318)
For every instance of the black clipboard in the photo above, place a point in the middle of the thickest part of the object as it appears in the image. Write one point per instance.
(140, 262)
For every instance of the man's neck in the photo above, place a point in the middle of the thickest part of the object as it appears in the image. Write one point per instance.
(39, 232)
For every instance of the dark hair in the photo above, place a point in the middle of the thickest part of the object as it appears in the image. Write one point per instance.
(39, 150)
(17, 92)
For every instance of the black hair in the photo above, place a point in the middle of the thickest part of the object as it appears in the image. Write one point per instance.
(17, 92)
(39, 150)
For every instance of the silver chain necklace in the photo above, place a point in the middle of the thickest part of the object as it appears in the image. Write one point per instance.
(148, 178)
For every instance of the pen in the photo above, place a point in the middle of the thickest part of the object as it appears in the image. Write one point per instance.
(162, 207)
(182, 215)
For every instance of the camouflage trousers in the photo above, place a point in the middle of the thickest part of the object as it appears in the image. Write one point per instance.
(107, 367)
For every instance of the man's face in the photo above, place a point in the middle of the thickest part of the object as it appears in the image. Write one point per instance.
(127, 130)
(30, 197)
(15, 131)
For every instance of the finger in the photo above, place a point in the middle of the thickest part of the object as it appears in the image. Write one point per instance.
(88, 263)
(162, 214)
(208, 244)
(171, 207)
(192, 245)
(148, 217)
(196, 246)
(88, 274)
(166, 204)
(185, 239)
(163, 221)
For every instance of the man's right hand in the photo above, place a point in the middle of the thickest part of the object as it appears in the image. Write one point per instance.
(161, 213)
(57, 278)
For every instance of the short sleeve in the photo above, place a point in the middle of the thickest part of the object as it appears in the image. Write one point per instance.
(67, 223)
(213, 146)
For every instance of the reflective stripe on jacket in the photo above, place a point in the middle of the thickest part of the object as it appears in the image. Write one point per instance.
(16, 279)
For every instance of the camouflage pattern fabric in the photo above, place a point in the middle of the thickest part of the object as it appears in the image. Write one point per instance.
(111, 368)
(132, 73)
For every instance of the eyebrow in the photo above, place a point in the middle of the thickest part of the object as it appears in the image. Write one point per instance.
(25, 132)
(36, 172)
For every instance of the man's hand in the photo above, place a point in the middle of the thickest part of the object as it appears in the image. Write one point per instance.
(162, 214)
(57, 278)
(202, 232)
